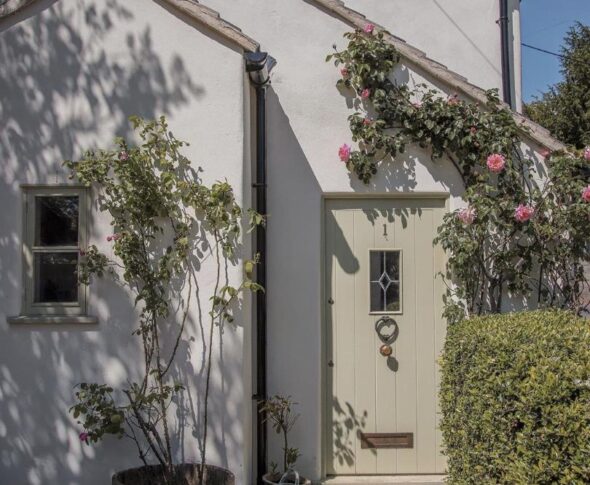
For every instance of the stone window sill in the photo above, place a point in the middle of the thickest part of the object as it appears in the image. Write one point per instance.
(52, 319)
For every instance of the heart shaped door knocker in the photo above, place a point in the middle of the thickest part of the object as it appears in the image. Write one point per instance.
(387, 329)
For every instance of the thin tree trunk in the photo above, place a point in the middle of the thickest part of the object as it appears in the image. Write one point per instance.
(285, 450)
(145, 430)
(159, 378)
(209, 356)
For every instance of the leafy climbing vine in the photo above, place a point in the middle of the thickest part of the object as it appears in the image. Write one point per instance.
(523, 230)
(166, 222)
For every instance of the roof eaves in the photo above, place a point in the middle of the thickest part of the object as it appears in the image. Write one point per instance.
(420, 60)
(213, 20)
(13, 6)
(192, 8)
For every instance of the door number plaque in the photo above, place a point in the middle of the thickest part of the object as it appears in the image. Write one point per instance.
(387, 440)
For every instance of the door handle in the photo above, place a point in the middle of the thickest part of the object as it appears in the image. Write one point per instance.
(331, 363)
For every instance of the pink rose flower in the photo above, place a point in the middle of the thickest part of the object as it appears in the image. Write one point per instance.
(587, 154)
(586, 194)
(109, 238)
(545, 152)
(344, 152)
(473, 130)
(496, 162)
(523, 212)
(84, 437)
(417, 104)
(365, 93)
(453, 99)
(344, 72)
(123, 156)
(367, 121)
(369, 28)
(467, 216)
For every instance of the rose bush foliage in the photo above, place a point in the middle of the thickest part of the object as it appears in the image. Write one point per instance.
(166, 222)
(524, 228)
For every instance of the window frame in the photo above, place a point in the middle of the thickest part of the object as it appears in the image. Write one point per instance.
(29, 195)
(399, 282)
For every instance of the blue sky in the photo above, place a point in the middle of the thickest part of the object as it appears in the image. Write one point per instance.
(544, 24)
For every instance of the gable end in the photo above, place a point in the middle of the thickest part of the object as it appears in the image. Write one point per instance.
(192, 8)
(417, 58)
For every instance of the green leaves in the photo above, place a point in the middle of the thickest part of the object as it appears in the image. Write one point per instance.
(495, 253)
(97, 413)
(563, 109)
(92, 262)
(166, 223)
(279, 413)
(515, 399)
(255, 219)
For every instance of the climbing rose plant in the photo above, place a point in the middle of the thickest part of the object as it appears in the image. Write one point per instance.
(166, 222)
(524, 228)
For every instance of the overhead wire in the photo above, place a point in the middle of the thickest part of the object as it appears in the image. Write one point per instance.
(543, 50)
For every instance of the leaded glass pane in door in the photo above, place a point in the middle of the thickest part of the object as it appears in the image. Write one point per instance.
(385, 281)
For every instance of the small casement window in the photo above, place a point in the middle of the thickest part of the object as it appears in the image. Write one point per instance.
(385, 285)
(54, 232)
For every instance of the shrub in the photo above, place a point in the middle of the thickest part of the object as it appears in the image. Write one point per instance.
(167, 223)
(515, 399)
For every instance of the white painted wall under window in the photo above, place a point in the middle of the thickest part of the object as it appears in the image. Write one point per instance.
(72, 72)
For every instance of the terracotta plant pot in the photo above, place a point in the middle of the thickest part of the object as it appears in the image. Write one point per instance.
(275, 478)
(187, 474)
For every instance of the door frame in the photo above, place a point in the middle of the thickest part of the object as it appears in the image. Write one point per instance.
(327, 197)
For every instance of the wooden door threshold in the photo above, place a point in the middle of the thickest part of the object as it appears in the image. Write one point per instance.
(384, 480)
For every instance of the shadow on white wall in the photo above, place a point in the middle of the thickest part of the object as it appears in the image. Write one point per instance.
(61, 92)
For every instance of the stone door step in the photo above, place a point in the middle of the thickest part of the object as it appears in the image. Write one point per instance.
(385, 480)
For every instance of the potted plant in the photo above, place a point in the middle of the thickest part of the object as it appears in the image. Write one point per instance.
(166, 221)
(277, 410)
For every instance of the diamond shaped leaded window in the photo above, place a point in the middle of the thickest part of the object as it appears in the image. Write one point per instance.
(385, 281)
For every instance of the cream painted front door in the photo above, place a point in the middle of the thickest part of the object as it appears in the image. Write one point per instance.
(383, 294)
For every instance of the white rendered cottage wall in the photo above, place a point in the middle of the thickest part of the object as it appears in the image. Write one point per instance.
(72, 72)
(461, 35)
(307, 122)
(464, 36)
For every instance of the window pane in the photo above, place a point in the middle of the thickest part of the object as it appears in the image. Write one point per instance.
(376, 265)
(385, 281)
(377, 298)
(55, 277)
(392, 298)
(56, 221)
(392, 264)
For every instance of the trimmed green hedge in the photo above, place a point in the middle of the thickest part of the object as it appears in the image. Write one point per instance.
(515, 399)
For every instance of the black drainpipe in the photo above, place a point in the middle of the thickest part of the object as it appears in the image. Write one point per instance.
(503, 21)
(258, 66)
